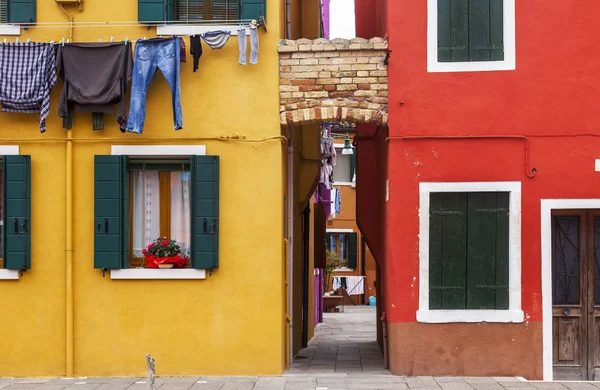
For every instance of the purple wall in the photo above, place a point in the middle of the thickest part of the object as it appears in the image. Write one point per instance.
(318, 296)
(325, 7)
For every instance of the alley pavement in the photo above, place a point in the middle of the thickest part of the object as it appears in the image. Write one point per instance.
(342, 355)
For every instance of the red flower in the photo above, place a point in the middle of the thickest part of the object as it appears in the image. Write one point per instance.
(144, 251)
(165, 243)
(150, 246)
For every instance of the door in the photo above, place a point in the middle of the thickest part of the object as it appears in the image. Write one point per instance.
(576, 294)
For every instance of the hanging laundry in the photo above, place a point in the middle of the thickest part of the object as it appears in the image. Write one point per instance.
(353, 185)
(182, 56)
(216, 39)
(338, 201)
(242, 45)
(332, 203)
(150, 56)
(325, 198)
(27, 75)
(254, 45)
(95, 76)
(354, 285)
(196, 50)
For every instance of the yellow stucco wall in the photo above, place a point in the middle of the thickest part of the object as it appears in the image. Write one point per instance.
(216, 326)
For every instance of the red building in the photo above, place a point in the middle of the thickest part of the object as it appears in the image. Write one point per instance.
(481, 201)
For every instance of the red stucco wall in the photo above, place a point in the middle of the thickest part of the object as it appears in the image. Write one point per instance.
(552, 98)
(371, 18)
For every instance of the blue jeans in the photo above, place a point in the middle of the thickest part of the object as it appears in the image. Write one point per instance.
(151, 55)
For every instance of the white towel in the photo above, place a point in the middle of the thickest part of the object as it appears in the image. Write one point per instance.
(354, 284)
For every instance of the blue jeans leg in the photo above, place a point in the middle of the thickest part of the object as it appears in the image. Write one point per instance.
(168, 63)
(144, 68)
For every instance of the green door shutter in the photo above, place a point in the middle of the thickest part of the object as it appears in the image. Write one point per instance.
(152, 11)
(17, 207)
(253, 9)
(21, 11)
(205, 212)
(111, 232)
(352, 258)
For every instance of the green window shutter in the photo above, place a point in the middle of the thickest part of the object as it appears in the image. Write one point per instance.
(152, 11)
(205, 212)
(470, 30)
(17, 207)
(21, 11)
(253, 9)
(352, 257)
(447, 250)
(352, 164)
(328, 242)
(487, 246)
(111, 212)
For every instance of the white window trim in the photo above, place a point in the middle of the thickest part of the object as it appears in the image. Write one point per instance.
(174, 29)
(547, 205)
(343, 269)
(339, 230)
(10, 29)
(509, 62)
(514, 312)
(153, 151)
(9, 150)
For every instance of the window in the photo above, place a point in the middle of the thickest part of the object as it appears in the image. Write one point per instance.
(471, 35)
(344, 245)
(160, 205)
(137, 201)
(17, 11)
(3, 11)
(197, 11)
(469, 252)
(343, 171)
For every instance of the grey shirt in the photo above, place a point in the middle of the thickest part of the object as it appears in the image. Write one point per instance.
(95, 76)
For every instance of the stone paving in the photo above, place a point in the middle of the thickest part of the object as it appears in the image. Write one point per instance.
(343, 355)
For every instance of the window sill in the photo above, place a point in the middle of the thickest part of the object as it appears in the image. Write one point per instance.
(343, 270)
(475, 66)
(10, 29)
(173, 29)
(9, 274)
(342, 183)
(449, 316)
(145, 273)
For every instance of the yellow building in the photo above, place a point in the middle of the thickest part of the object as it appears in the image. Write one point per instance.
(66, 315)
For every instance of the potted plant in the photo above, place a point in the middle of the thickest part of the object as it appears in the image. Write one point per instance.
(163, 253)
(332, 262)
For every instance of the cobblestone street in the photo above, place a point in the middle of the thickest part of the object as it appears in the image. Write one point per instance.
(343, 355)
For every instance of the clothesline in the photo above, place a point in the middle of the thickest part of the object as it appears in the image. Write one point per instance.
(136, 23)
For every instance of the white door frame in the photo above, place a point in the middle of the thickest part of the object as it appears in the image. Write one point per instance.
(546, 220)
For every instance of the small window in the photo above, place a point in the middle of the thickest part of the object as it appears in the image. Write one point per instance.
(470, 30)
(160, 205)
(343, 170)
(203, 10)
(343, 245)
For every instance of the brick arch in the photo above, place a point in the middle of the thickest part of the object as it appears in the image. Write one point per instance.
(335, 81)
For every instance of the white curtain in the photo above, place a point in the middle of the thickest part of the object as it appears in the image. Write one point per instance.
(180, 210)
(146, 210)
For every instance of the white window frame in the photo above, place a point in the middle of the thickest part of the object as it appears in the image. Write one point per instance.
(157, 151)
(509, 62)
(9, 274)
(514, 312)
(340, 147)
(341, 231)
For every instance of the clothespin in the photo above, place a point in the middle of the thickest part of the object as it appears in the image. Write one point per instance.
(63, 41)
(52, 41)
(68, 40)
(99, 39)
(112, 39)
(253, 24)
(28, 40)
(17, 41)
(4, 40)
(144, 38)
(126, 39)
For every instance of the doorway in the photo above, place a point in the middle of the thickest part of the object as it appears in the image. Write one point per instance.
(576, 294)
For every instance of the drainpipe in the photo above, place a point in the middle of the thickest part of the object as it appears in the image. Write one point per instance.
(71, 20)
(291, 202)
(288, 22)
(69, 254)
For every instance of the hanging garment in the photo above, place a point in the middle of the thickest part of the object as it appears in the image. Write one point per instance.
(95, 76)
(254, 45)
(196, 50)
(338, 201)
(332, 203)
(151, 55)
(242, 45)
(182, 55)
(27, 75)
(216, 39)
(356, 285)
(353, 185)
(325, 198)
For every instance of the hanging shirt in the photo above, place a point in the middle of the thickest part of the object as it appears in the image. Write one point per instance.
(95, 77)
(27, 75)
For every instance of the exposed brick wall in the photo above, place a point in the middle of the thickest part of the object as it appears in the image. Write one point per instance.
(339, 81)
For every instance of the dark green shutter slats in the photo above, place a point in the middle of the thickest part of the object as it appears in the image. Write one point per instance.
(17, 208)
(352, 165)
(111, 241)
(352, 252)
(97, 120)
(21, 11)
(470, 30)
(468, 254)
(152, 10)
(205, 212)
(328, 242)
(253, 9)
(497, 30)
